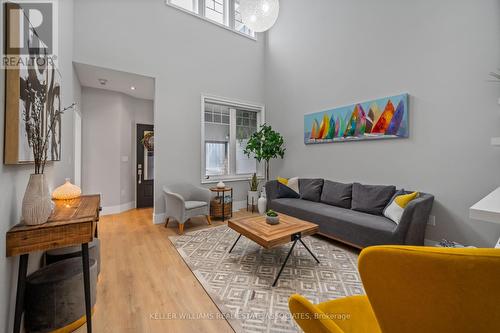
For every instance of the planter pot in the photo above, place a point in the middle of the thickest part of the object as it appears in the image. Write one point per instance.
(262, 205)
(37, 205)
(253, 197)
(272, 219)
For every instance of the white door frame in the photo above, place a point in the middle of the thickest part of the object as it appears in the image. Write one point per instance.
(77, 122)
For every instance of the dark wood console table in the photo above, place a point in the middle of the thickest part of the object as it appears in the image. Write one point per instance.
(73, 222)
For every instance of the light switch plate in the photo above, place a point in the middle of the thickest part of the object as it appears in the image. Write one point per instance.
(124, 158)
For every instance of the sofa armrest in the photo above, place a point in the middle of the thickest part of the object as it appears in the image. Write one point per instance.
(414, 220)
(271, 191)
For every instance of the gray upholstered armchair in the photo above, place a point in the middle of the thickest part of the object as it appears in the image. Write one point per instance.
(184, 201)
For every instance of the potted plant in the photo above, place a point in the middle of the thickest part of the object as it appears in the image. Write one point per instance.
(253, 193)
(40, 119)
(272, 217)
(264, 145)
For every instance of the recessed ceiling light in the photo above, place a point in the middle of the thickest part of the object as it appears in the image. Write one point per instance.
(102, 81)
(132, 88)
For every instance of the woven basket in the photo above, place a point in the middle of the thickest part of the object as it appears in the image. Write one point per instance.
(216, 208)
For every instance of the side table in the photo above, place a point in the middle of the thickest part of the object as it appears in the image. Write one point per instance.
(218, 206)
(73, 222)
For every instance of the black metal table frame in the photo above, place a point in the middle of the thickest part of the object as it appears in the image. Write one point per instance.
(222, 201)
(297, 237)
(253, 204)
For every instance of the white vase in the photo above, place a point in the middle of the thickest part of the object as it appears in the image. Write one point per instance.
(253, 197)
(261, 205)
(221, 184)
(37, 205)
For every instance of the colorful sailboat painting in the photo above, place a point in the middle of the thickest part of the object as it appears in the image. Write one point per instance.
(383, 118)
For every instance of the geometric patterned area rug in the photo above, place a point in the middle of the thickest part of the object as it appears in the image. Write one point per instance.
(240, 282)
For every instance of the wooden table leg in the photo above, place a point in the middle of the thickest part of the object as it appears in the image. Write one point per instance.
(86, 283)
(21, 287)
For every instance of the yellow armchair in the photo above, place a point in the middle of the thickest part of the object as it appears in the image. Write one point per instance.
(413, 289)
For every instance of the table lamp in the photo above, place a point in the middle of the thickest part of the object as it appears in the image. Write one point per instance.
(66, 191)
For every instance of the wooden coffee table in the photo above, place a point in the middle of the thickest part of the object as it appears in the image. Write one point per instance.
(290, 229)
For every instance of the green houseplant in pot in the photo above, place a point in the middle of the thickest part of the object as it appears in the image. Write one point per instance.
(253, 193)
(264, 145)
(272, 217)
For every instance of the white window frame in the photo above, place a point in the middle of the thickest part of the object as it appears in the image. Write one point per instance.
(260, 108)
(229, 17)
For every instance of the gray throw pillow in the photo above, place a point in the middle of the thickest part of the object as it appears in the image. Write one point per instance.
(337, 194)
(286, 192)
(310, 189)
(371, 199)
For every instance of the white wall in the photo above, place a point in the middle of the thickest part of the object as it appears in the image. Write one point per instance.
(187, 57)
(109, 126)
(328, 53)
(319, 55)
(13, 179)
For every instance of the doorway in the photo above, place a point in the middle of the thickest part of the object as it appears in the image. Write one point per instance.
(145, 166)
(113, 103)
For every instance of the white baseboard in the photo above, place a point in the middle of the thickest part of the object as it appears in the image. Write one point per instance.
(159, 218)
(108, 210)
(237, 205)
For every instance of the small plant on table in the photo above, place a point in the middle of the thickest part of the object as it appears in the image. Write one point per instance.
(272, 217)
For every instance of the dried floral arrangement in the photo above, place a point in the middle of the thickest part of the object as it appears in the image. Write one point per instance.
(40, 124)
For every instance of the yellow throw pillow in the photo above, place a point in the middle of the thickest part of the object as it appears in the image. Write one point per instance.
(292, 183)
(395, 209)
(283, 181)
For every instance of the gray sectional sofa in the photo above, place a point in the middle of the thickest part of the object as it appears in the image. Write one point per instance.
(352, 213)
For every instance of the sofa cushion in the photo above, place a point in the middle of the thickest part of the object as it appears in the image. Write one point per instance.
(371, 199)
(284, 191)
(292, 183)
(336, 194)
(396, 207)
(345, 224)
(194, 204)
(310, 189)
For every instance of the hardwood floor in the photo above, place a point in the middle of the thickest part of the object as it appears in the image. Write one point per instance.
(144, 285)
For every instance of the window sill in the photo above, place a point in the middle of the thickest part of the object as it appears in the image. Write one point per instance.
(230, 179)
(210, 21)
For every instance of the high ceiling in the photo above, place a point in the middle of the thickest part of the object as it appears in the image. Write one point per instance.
(124, 82)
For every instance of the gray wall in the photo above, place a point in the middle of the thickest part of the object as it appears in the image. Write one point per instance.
(13, 179)
(328, 53)
(187, 56)
(109, 123)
